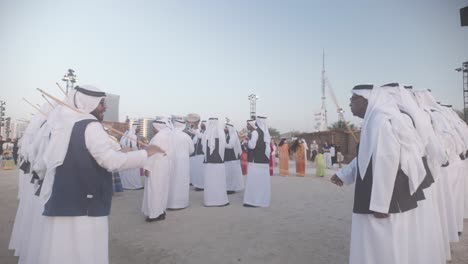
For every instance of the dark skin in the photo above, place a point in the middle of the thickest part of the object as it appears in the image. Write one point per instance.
(99, 111)
(358, 105)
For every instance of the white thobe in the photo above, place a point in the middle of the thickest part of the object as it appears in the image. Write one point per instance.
(179, 182)
(373, 240)
(196, 164)
(328, 161)
(157, 184)
(83, 239)
(131, 178)
(258, 183)
(234, 179)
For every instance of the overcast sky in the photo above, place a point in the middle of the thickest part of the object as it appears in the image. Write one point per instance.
(176, 57)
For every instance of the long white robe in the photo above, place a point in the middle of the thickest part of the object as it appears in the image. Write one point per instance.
(179, 182)
(383, 241)
(234, 179)
(258, 183)
(215, 185)
(196, 165)
(84, 239)
(131, 178)
(157, 184)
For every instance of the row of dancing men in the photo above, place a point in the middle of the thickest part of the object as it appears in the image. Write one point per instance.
(410, 177)
(65, 177)
(204, 154)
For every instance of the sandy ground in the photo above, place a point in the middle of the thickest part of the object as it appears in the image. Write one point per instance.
(309, 221)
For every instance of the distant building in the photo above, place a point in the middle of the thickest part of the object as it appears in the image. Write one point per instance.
(121, 127)
(146, 126)
(17, 129)
(112, 108)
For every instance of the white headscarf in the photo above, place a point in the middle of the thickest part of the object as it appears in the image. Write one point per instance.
(179, 124)
(261, 123)
(364, 90)
(214, 131)
(445, 131)
(252, 123)
(305, 144)
(161, 124)
(234, 139)
(64, 120)
(407, 104)
(382, 108)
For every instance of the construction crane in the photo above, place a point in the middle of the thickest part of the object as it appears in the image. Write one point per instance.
(339, 109)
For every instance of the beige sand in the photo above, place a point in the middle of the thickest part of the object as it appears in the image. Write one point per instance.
(308, 222)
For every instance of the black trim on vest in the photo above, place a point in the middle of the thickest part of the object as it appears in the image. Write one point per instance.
(257, 155)
(401, 201)
(81, 187)
(214, 157)
(89, 92)
(230, 154)
(25, 167)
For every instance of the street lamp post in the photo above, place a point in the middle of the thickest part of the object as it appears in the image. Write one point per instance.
(70, 79)
(2, 115)
(464, 70)
(253, 105)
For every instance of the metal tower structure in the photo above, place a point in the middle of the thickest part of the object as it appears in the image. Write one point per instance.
(253, 105)
(70, 79)
(465, 90)
(464, 70)
(323, 109)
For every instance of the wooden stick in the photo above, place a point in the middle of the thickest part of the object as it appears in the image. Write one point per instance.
(61, 89)
(48, 101)
(34, 106)
(58, 101)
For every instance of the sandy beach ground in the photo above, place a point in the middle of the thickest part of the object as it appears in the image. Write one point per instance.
(309, 221)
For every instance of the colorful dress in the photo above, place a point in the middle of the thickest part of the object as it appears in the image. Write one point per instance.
(284, 160)
(319, 165)
(300, 160)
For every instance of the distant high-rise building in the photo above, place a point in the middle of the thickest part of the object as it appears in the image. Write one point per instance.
(17, 129)
(146, 126)
(112, 108)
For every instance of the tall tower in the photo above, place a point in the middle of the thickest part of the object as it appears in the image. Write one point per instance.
(465, 90)
(253, 105)
(323, 110)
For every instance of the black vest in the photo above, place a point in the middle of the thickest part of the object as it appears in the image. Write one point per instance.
(229, 154)
(426, 183)
(401, 201)
(198, 147)
(214, 157)
(81, 187)
(257, 155)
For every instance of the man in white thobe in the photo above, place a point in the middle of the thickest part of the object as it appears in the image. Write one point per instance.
(387, 173)
(234, 179)
(157, 172)
(214, 142)
(196, 160)
(179, 182)
(131, 178)
(258, 185)
(77, 186)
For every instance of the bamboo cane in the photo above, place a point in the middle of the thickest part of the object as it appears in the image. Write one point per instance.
(58, 101)
(45, 98)
(61, 89)
(35, 107)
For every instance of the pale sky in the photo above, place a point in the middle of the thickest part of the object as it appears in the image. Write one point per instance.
(176, 57)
